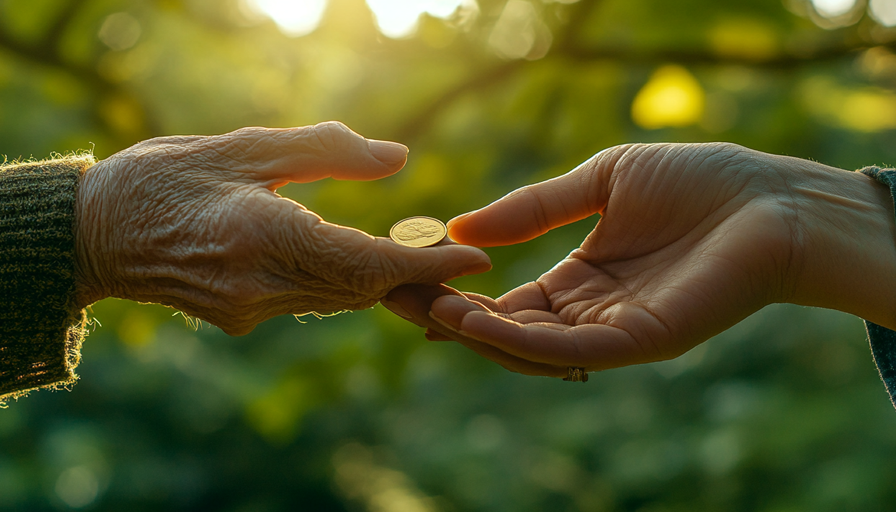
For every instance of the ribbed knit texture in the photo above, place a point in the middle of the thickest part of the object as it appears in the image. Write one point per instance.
(40, 328)
(883, 340)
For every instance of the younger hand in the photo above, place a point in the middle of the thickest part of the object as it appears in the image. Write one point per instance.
(692, 239)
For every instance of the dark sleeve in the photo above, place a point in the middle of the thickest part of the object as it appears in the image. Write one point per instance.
(883, 340)
(41, 329)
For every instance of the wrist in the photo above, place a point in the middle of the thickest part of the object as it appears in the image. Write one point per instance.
(88, 287)
(846, 242)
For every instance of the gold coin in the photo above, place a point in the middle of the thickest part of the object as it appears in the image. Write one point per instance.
(418, 232)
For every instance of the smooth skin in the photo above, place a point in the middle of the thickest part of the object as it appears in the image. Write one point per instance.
(692, 239)
(196, 223)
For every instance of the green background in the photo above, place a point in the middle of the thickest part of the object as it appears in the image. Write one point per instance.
(784, 412)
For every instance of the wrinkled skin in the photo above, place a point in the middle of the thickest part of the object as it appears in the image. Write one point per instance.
(692, 239)
(196, 223)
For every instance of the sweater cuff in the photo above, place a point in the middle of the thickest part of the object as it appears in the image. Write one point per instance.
(883, 340)
(41, 329)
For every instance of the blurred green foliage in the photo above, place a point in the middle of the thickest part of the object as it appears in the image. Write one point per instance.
(784, 412)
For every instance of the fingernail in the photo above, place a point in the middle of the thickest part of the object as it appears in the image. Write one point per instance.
(443, 322)
(395, 308)
(432, 335)
(458, 219)
(388, 152)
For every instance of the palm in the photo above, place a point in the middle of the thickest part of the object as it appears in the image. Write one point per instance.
(671, 280)
(690, 242)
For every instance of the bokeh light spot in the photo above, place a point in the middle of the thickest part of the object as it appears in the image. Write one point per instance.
(123, 113)
(361, 479)
(884, 11)
(869, 110)
(514, 33)
(833, 8)
(399, 18)
(671, 98)
(137, 329)
(396, 18)
(866, 109)
(278, 415)
(120, 31)
(77, 487)
(294, 17)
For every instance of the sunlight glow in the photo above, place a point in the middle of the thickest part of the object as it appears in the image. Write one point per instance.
(515, 33)
(399, 18)
(833, 8)
(883, 11)
(361, 478)
(294, 17)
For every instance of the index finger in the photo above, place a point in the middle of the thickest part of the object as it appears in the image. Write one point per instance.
(535, 209)
(274, 156)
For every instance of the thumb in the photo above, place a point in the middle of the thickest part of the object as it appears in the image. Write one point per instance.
(274, 156)
(431, 265)
(533, 210)
(340, 254)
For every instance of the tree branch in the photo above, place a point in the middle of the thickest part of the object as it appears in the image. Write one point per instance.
(46, 51)
(579, 14)
(63, 20)
(569, 50)
(781, 61)
(424, 117)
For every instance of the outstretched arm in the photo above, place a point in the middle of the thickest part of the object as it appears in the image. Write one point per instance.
(192, 222)
(692, 239)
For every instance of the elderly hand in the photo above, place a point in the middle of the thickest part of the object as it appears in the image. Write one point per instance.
(692, 239)
(196, 223)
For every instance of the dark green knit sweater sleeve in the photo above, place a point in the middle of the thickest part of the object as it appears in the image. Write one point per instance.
(883, 340)
(40, 328)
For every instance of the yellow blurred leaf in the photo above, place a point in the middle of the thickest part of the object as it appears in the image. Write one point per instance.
(277, 415)
(671, 98)
(122, 113)
(745, 38)
(137, 329)
(865, 109)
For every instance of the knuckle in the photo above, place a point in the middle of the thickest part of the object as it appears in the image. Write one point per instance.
(611, 155)
(247, 132)
(727, 147)
(333, 135)
(608, 165)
